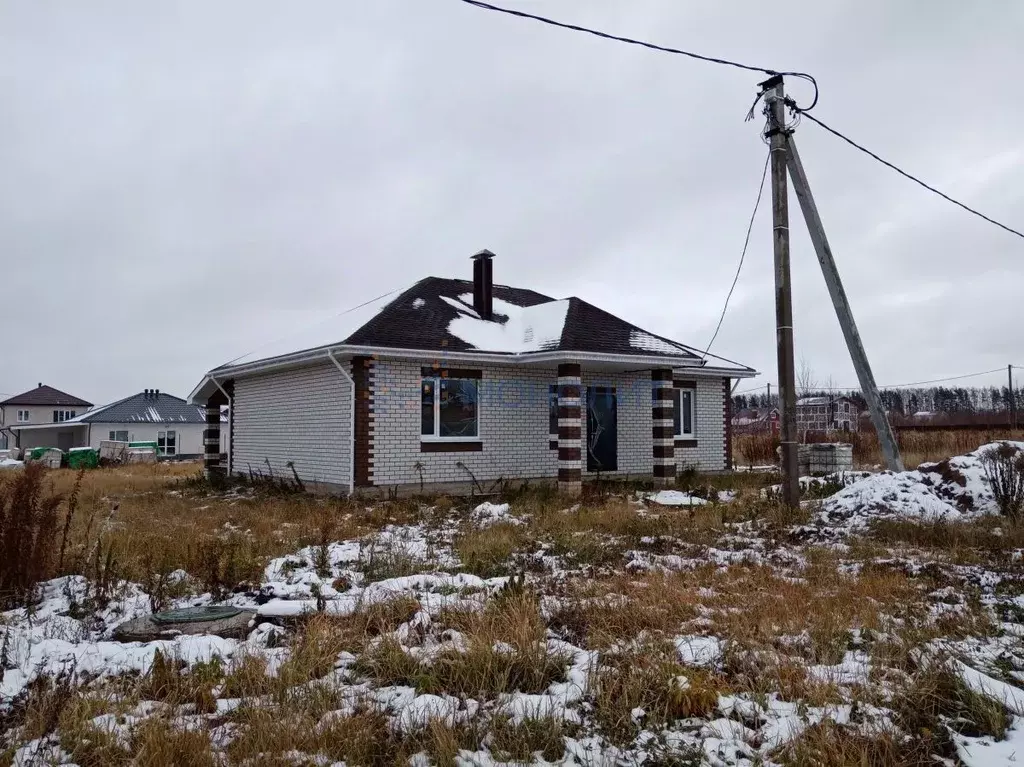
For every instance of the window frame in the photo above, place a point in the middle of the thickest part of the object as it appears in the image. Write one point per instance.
(436, 377)
(165, 437)
(114, 432)
(27, 414)
(553, 410)
(60, 416)
(677, 415)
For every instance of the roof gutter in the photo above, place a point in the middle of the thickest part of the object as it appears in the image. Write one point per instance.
(351, 422)
(526, 358)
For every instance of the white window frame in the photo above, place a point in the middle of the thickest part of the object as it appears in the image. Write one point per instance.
(63, 415)
(114, 433)
(24, 416)
(163, 435)
(677, 401)
(436, 436)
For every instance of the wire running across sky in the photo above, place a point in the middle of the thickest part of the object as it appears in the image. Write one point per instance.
(645, 44)
(798, 110)
(893, 386)
(903, 173)
(743, 254)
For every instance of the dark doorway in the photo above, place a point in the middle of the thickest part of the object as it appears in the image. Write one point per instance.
(65, 440)
(602, 429)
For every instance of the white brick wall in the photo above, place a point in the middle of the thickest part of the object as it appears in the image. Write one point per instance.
(709, 429)
(302, 416)
(513, 426)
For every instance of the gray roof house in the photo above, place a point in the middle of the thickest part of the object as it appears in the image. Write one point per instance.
(458, 384)
(149, 416)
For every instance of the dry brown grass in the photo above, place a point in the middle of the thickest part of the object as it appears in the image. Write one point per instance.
(157, 518)
(916, 447)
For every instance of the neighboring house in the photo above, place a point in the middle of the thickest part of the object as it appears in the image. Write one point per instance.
(41, 405)
(150, 416)
(455, 384)
(753, 420)
(826, 414)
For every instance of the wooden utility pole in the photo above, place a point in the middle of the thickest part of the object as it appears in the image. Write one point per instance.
(1012, 400)
(774, 94)
(886, 438)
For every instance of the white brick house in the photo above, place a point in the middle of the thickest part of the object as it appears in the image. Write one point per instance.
(456, 384)
(826, 414)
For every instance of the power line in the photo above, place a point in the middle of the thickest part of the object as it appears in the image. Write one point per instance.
(643, 43)
(895, 386)
(319, 322)
(743, 254)
(903, 173)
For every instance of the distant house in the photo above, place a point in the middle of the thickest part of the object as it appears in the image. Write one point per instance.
(41, 405)
(150, 416)
(454, 384)
(754, 420)
(826, 414)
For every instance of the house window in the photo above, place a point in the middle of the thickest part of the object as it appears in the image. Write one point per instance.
(119, 436)
(448, 408)
(553, 411)
(23, 416)
(167, 443)
(60, 416)
(682, 412)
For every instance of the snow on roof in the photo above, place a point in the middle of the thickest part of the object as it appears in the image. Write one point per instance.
(528, 328)
(638, 339)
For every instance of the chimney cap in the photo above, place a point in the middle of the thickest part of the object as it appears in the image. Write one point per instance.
(39, 385)
(485, 253)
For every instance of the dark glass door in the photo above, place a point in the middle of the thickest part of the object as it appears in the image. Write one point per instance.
(602, 429)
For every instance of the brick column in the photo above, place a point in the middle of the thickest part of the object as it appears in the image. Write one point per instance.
(662, 427)
(570, 429)
(211, 439)
(362, 376)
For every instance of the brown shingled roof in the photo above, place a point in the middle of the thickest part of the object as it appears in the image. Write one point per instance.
(45, 395)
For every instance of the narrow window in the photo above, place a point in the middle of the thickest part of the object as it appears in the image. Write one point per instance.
(553, 411)
(682, 412)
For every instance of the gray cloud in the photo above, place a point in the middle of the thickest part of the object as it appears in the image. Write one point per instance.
(185, 182)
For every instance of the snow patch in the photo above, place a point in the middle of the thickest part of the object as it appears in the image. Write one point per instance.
(528, 328)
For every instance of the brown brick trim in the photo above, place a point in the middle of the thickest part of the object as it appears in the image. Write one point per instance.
(566, 369)
(431, 372)
(568, 454)
(661, 374)
(569, 411)
(662, 470)
(664, 451)
(568, 390)
(662, 432)
(451, 447)
(663, 394)
(362, 421)
(570, 432)
(685, 384)
(553, 444)
(570, 475)
(686, 443)
(727, 394)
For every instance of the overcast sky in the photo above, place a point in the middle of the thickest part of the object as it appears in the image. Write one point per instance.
(181, 182)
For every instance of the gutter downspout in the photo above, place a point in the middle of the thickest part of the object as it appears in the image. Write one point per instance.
(351, 423)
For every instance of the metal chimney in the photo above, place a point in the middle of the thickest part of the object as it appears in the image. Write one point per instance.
(483, 284)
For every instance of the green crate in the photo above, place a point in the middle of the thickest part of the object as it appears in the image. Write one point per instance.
(83, 458)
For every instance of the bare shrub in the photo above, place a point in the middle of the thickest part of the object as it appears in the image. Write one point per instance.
(28, 527)
(1004, 470)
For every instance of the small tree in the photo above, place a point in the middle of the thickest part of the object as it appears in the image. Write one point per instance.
(28, 529)
(1004, 470)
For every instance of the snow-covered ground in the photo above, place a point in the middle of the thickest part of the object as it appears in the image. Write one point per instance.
(717, 550)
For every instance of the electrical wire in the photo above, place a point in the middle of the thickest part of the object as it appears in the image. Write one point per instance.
(902, 172)
(645, 44)
(743, 254)
(319, 322)
(893, 386)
